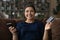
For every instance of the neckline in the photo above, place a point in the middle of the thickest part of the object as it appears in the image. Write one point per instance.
(29, 23)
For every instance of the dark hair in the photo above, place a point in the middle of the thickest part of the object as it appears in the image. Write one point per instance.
(29, 5)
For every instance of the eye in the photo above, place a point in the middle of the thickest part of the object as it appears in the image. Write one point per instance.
(32, 10)
(27, 11)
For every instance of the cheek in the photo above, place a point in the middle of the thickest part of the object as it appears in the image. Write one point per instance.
(33, 14)
(25, 14)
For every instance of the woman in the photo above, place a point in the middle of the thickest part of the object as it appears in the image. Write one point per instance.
(30, 29)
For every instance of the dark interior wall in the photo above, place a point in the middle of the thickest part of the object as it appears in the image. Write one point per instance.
(6, 35)
(56, 30)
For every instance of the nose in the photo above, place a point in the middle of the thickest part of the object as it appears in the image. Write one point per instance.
(29, 12)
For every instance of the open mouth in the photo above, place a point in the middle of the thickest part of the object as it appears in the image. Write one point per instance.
(29, 15)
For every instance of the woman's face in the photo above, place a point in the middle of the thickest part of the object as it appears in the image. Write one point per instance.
(29, 13)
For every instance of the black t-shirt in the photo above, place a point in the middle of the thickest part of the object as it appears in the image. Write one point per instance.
(30, 31)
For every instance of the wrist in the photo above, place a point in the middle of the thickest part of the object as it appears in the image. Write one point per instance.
(14, 34)
(47, 29)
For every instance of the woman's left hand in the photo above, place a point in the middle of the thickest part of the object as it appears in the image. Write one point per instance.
(48, 26)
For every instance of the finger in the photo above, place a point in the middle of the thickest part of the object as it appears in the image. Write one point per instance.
(15, 30)
(47, 23)
(10, 27)
(50, 23)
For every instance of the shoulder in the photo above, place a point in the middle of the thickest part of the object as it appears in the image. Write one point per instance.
(39, 22)
(20, 23)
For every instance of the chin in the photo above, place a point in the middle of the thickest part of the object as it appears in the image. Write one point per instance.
(29, 18)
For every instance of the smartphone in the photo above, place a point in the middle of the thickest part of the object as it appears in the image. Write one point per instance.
(50, 19)
(10, 24)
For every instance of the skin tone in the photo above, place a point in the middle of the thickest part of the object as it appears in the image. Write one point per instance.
(47, 28)
(14, 33)
(29, 15)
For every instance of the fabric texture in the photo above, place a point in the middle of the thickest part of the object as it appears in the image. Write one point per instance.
(30, 31)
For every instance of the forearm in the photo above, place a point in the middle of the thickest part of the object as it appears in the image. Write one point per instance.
(45, 37)
(15, 37)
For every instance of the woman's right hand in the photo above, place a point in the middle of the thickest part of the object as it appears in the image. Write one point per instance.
(13, 30)
(48, 26)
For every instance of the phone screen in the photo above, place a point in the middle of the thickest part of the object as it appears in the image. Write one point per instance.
(10, 24)
(50, 19)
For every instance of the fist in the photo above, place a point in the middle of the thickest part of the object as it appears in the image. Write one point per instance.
(12, 30)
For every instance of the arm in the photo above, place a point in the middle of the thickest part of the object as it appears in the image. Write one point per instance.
(45, 37)
(15, 37)
(47, 28)
(14, 33)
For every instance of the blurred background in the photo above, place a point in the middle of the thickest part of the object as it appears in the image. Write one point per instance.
(13, 9)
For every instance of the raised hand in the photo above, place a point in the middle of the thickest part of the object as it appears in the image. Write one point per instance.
(48, 26)
(13, 30)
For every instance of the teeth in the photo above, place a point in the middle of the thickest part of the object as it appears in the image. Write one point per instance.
(29, 16)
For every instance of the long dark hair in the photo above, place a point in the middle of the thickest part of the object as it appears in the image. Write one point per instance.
(30, 5)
